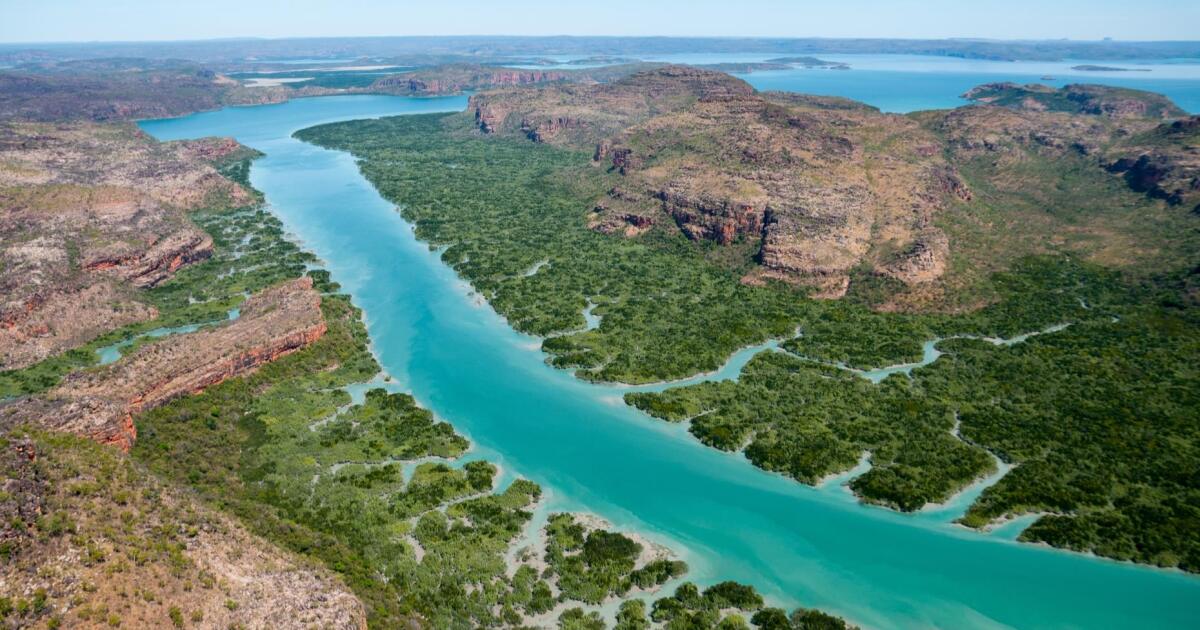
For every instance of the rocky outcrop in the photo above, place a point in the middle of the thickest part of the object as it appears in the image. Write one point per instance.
(488, 116)
(924, 261)
(92, 211)
(719, 219)
(1163, 163)
(118, 155)
(100, 404)
(727, 165)
(149, 266)
(596, 111)
(1096, 100)
(49, 320)
(455, 79)
(545, 130)
(1159, 159)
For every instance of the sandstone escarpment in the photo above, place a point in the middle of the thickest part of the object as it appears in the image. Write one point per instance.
(120, 155)
(824, 189)
(588, 113)
(92, 211)
(821, 186)
(100, 403)
(1159, 159)
(454, 79)
(1004, 134)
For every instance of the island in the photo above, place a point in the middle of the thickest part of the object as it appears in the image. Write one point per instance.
(1093, 68)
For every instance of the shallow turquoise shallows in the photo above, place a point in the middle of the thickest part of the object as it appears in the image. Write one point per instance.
(801, 546)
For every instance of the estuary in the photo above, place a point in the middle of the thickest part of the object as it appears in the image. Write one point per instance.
(589, 451)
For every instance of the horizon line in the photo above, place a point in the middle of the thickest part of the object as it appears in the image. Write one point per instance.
(1105, 40)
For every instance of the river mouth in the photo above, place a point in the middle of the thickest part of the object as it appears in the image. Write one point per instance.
(799, 545)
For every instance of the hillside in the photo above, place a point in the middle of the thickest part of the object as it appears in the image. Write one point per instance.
(231, 478)
(92, 540)
(818, 192)
(87, 224)
(122, 89)
(696, 217)
(1099, 100)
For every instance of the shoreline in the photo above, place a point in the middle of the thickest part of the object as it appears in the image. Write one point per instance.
(760, 471)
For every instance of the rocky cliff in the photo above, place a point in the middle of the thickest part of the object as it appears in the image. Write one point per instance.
(821, 186)
(93, 212)
(100, 403)
(824, 188)
(1163, 162)
(1160, 159)
(455, 79)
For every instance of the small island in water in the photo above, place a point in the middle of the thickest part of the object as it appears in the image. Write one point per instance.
(1092, 68)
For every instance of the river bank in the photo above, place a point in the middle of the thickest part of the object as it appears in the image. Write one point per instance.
(467, 366)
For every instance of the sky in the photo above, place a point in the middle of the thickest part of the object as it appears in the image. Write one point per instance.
(141, 20)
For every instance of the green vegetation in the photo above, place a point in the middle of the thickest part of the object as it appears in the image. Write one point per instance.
(502, 205)
(690, 608)
(1099, 418)
(372, 489)
(1077, 98)
(592, 566)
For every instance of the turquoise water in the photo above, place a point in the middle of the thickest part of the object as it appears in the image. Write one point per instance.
(800, 545)
(112, 352)
(905, 83)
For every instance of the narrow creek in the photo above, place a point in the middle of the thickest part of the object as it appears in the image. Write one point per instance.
(799, 545)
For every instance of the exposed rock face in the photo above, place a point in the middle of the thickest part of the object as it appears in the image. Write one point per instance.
(1156, 158)
(1005, 134)
(1164, 163)
(1096, 100)
(717, 219)
(92, 211)
(543, 131)
(592, 113)
(148, 267)
(454, 79)
(46, 322)
(826, 187)
(726, 164)
(100, 404)
(924, 261)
